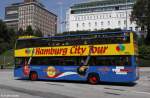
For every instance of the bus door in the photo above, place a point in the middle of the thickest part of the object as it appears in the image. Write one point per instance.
(21, 67)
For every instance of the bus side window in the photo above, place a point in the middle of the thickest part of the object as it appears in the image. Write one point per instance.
(127, 61)
(112, 62)
(117, 59)
(19, 61)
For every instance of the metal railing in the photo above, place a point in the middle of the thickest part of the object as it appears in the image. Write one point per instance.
(6, 62)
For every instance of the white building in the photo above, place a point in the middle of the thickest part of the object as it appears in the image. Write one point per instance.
(98, 15)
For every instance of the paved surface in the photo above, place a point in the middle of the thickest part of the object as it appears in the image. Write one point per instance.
(13, 88)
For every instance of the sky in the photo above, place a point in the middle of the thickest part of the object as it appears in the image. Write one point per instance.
(52, 5)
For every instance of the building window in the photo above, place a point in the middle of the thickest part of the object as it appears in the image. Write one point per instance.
(110, 16)
(125, 22)
(95, 23)
(131, 28)
(84, 17)
(89, 24)
(83, 24)
(94, 17)
(136, 28)
(100, 16)
(78, 18)
(116, 7)
(106, 16)
(117, 16)
(97, 17)
(77, 25)
(119, 22)
(130, 22)
(102, 23)
(95, 29)
(108, 22)
(90, 17)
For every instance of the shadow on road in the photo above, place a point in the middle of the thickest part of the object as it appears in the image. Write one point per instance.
(82, 82)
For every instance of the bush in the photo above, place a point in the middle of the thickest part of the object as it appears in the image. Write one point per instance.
(144, 52)
(144, 56)
(144, 63)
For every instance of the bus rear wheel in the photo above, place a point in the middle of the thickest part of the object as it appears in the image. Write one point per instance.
(33, 76)
(93, 79)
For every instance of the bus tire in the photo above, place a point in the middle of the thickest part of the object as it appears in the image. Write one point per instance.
(93, 78)
(33, 76)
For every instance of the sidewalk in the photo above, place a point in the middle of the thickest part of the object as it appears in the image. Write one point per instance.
(144, 69)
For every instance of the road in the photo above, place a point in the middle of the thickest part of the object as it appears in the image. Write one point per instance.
(13, 88)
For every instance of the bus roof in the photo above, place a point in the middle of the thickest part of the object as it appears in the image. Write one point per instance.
(73, 35)
(27, 37)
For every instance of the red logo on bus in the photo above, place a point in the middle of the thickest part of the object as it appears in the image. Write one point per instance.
(120, 47)
(27, 51)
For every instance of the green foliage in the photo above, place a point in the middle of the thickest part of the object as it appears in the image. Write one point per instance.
(144, 56)
(144, 63)
(7, 37)
(29, 32)
(141, 14)
(12, 37)
(144, 52)
(3, 31)
(4, 46)
(20, 32)
(38, 33)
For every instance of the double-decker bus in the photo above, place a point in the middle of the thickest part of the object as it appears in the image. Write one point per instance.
(92, 57)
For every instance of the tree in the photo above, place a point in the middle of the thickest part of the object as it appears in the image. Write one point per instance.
(144, 52)
(20, 32)
(3, 38)
(141, 14)
(12, 38)
(29, 31)
(38, 33)
(3, 30)
(7, 37)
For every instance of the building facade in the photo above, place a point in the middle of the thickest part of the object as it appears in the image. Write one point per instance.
(11, 16)
(99, 15)
(33, 13)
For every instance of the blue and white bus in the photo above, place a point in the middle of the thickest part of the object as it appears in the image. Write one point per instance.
(92, 57)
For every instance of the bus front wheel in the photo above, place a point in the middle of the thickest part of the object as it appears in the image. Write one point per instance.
(33, 76)
(93, 79)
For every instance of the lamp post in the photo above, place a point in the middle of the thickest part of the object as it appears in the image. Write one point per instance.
(126, 15)
(61, 16)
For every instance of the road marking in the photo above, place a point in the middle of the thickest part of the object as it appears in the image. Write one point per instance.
(34, 92)
(127, 90)
(114, 89)
(55, 84)
(141, 92)
(111, 93)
